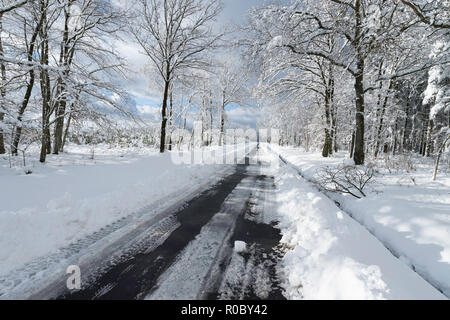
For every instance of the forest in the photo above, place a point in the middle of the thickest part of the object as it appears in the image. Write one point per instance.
(370, 77)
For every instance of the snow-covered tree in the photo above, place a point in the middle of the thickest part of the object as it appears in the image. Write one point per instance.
(5, 9)
(175, 35)
(232, 85)
(373, 42)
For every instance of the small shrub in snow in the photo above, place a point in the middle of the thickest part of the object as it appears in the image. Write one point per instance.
(401, 163)
(406, 180)
(346, 179)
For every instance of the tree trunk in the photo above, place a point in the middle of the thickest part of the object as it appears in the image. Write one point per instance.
(381, 121)
(66, 132)
(211, 121)
(65, 59)
(334, 129)
(49, 140)
(44, 141)
(45, 87)
(307, 139)
(441, 150)
(171, 115)
(328, 144)
(332, 107)
(2, 140)
(29, 89)
(359, 155)
(59, 126)
(352, 145)
(405, 143)
(423, 138)
(26, 99)
(395, 138)
(335, 142)
(162, 146)
(2, 90)
(222, 121)
(429, 148)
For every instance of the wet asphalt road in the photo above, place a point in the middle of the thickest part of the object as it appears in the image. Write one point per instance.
(136, 276)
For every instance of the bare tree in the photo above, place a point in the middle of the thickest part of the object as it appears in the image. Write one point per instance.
(32, 27)
(439, 155)
(175, 35)
(362, 31)
(82, 35)
(435, 13)
(4, 10)
(345, 179)
(232, 84)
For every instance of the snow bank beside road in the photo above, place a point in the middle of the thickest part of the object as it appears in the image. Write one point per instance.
(411, 219)
(332, 256)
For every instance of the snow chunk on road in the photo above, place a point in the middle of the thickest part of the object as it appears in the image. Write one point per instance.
(240, 247)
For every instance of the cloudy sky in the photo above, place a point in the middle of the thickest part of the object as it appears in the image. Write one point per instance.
(147, 96)
(236, 9)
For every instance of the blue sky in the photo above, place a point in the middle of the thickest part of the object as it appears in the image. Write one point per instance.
(147, 100)
(236, 9)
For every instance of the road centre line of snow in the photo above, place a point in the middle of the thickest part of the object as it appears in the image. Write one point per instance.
(194, 272)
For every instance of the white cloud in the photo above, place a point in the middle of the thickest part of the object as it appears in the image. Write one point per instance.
(149, 113)
(139, 82)
(246, 117)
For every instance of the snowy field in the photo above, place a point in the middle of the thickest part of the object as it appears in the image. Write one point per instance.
(76, 194)
(410, 217)
(330, 254)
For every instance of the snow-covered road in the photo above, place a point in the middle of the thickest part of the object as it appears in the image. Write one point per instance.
(188, 252)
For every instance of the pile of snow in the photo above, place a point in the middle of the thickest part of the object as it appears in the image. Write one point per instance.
(331, 256)
(240, 247)
(410, 216)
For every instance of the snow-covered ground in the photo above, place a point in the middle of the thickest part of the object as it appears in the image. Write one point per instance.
(335, 257)
(329, 254)
(74, 195)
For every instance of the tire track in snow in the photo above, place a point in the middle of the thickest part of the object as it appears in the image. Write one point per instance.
(44, 277)
(194, 271)
(209, 268)
(135, 276)
(253, 274)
